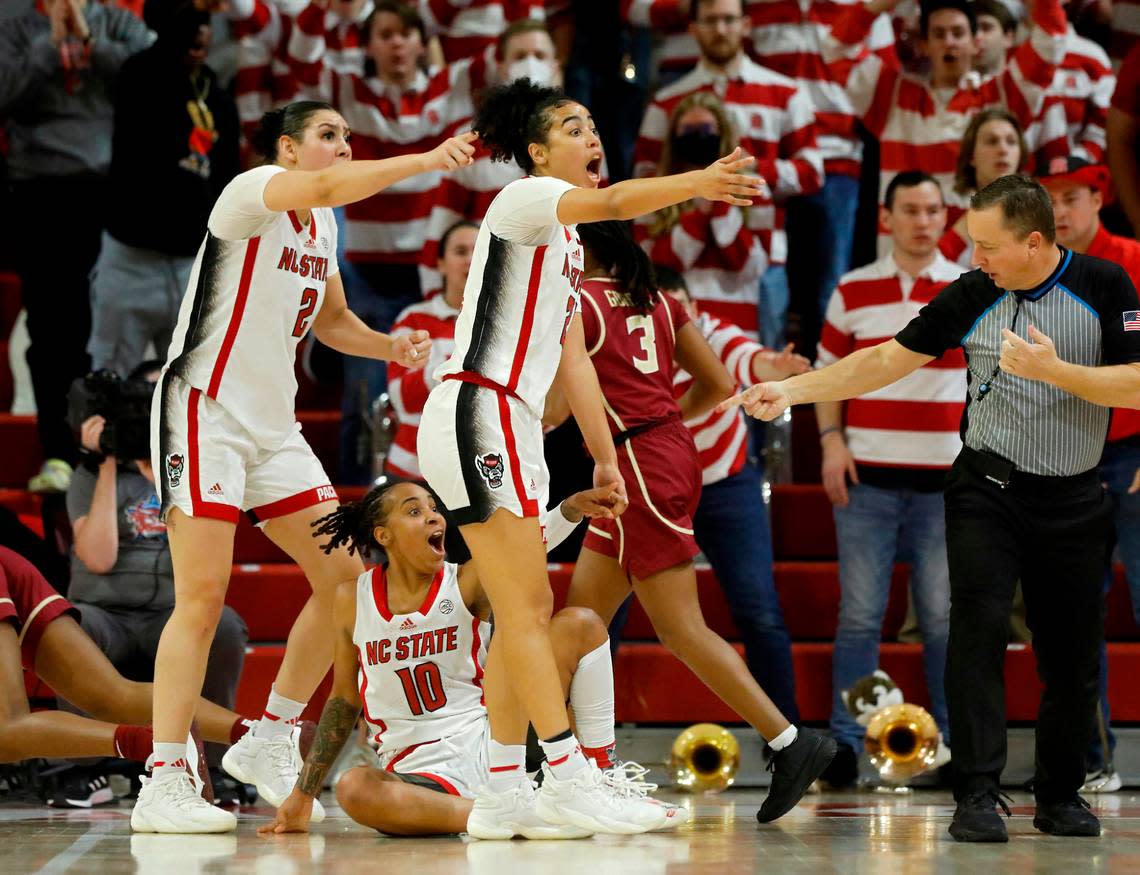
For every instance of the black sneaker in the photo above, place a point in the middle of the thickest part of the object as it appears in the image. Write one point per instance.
(1071, 818)
(84, 789)
(976, 818)
(793, 770)
(842, 773)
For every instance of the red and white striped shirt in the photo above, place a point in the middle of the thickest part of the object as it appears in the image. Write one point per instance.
(388, 121)
(913, 422)
(720, 256)
(264, 79)
(409, 389)
(467, 27)
(721, 438)
(788, 37)
(919, 126)
(1076, 105)
(774, 120)
(957, 248)
(678, 51)
(325, 45)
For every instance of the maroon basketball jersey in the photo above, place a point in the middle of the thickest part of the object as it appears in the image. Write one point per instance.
(632, 353)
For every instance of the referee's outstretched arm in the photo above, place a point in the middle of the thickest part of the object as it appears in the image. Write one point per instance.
(1037, 359)
(857, 374)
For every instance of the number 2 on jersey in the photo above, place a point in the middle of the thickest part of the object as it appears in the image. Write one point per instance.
(644, 324)
(308, 305)
(423, 687)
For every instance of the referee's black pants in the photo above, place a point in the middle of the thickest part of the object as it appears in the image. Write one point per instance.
(1052, 534)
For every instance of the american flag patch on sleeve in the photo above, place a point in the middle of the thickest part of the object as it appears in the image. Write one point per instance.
(1132, 320)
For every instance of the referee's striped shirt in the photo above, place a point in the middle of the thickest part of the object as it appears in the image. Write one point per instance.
(1088, 307)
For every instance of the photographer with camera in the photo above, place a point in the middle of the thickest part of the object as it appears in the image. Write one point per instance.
(122, 576)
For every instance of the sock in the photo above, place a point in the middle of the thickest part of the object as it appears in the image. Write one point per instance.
(592, 698)
(280, 716)
(783, 739)
(168, 757)
(507, 764)
(133, 742)
(563, 755)
(240, 728)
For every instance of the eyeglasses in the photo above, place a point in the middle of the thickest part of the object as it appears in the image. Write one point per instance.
(711, 21)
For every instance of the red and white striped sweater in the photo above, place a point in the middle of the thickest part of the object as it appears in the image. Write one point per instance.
(388, 121)
(721, 438)
(678, 51)
(467, 27)
(913, 422)
(720, 257)
(263, 79)
(775, 124)
(919, 126)
(409, 389)
(788, 36)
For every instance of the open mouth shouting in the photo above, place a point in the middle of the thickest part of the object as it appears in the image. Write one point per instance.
(435, 541)
(594, 169)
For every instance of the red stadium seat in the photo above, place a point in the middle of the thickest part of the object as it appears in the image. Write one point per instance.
(21, 457)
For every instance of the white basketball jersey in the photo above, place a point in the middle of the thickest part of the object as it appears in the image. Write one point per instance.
(421, 674)
(256, 287)
(523, 288)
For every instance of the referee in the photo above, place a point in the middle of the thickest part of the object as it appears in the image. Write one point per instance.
(1052, 341)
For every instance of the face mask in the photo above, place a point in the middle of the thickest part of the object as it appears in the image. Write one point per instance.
(701, 147)
(530, 67)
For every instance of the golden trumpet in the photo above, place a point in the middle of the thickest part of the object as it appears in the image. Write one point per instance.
(902, 741)
(704, 758)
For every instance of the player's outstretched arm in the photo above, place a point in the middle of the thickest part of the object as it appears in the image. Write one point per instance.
(859, 373)
(352, 181)
(723, 180)
(338, 721)
(338, 327)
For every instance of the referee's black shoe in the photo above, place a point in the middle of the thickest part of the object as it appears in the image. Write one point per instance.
(793, 770)
(976, 818)
(1071, 818)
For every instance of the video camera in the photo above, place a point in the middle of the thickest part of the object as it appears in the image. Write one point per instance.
(124, 404)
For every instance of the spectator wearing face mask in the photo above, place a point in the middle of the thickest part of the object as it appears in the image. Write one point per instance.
(715, 246)
(775, 122)
(525, 50)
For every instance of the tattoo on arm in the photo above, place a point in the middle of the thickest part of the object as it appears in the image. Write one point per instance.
(337, 722)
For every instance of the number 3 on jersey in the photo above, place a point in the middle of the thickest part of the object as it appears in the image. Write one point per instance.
(423, 687)
(644, 324)
(308, 305)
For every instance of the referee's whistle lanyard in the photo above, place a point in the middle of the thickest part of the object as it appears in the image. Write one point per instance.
(988, 383)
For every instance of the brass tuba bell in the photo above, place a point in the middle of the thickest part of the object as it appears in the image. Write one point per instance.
(704, 758)
(902, 741)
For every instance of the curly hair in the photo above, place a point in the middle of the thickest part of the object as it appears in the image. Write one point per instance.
(353, 523)
(513, 116)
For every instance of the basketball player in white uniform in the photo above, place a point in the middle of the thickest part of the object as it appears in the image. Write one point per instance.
(225, 439)
(480, 439)
(411, 649)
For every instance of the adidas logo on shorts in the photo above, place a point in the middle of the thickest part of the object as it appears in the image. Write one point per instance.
(216, 489)
(406, 625)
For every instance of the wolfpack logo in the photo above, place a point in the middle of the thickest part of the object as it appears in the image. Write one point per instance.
(491, 469)
(175, 465)
(446, 607)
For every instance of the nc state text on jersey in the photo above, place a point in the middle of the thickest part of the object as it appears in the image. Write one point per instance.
(414, 646)
(316, 266)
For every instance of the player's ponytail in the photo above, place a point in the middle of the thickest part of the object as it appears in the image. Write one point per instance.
(353, 523)
(513, 116)
(284, 121)
(612, 245)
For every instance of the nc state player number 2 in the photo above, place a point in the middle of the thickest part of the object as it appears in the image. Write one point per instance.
(308, 305)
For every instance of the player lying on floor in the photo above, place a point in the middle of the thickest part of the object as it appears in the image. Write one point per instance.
(415, 633)
(39, 632)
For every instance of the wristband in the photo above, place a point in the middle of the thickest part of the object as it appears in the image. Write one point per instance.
(828, 431)
(558, 528)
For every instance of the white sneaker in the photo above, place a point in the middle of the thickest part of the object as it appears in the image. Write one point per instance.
(1102, 781)
(627, 779)
(505, 814)
(170, 803)
(270, 764)
(588, 800)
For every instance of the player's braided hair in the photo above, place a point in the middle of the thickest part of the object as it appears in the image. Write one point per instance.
(611, 244)
(353, 523)
(513, 116)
